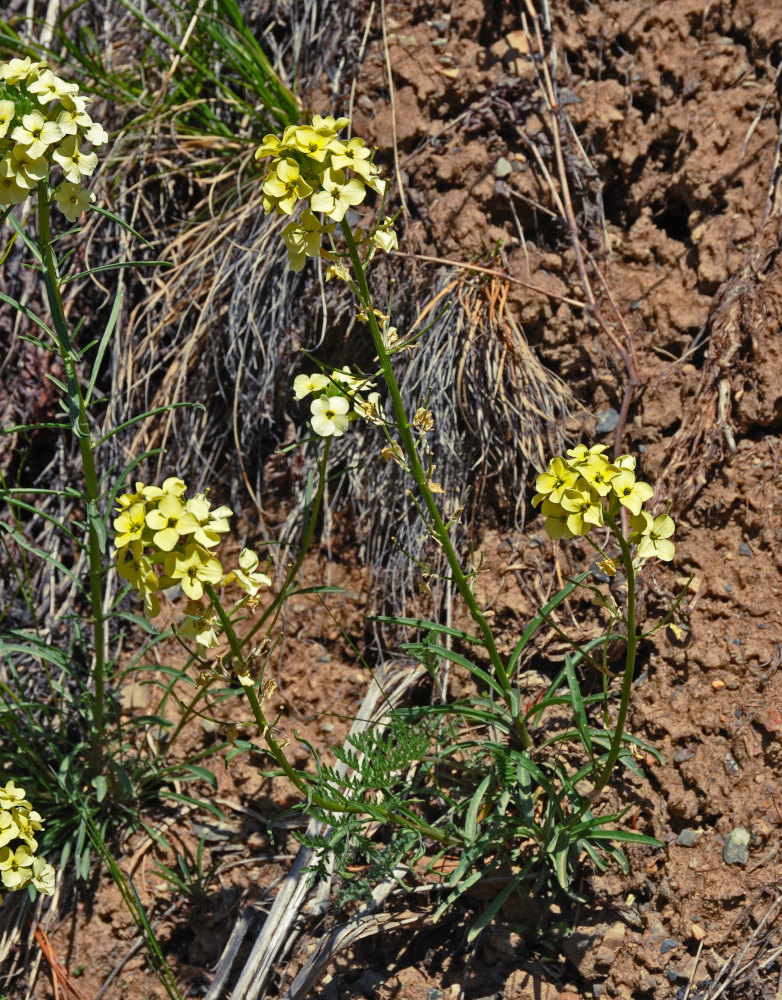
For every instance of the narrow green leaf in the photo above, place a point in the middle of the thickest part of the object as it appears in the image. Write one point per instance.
(104, 343)
(422, 623)
(471, 817)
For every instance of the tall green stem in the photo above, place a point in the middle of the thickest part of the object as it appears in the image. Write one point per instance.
(276, 605)
(630, 654)
(419, 475)
(77, 412)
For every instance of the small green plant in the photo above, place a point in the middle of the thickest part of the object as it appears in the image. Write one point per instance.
(191, 880)
(500, 783)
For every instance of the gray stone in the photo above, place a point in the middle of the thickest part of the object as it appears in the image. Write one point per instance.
(668, 945)
(502, 168)
(688, 838)
(607, 421)
(735, 850)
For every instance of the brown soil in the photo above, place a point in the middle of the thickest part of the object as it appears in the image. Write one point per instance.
(676, 110)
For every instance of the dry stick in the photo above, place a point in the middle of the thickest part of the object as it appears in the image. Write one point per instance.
(548, 89)
(392, 102)
(61, 978)
(365, 923)
(361, 50)
(279, 924)
(494, 273)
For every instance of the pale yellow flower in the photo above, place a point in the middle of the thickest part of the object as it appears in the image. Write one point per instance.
(329, 415)
(284, 186)
(29, 170)
(303, 238)
(36, 133)
(16, 868)
(631, 494)
(130, 524)
(7, 111)
(385, 240)
(49, 87)
(17, 69)
(653, 536)
(43, 876)
(73, 115)
(193, 568)
(73, 200)
(584, 510)
(170, 520)
(313, 142)
(75, 163)
(11, 191)
(303, 385)
(12, 796)
(337, 194)
(247, 575)
(212, 523)
(353, 154)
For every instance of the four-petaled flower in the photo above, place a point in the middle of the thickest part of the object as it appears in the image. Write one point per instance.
(284, 186)
(337, 194)
(330, 415)
(653, 536)
(193, 568)
(36, 134)
(303, 385)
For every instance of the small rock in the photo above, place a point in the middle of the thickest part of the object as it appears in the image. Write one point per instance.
(369, 982)
(688, 838)
(579, 949)
(607, 421)
(611, 944)
(730, 763)
(772, 720)
(735, 850)
(745, 550)
(668, 945)
(718, 685)
(502, 168)
(681, 755)
(698, 932)
(686, 970)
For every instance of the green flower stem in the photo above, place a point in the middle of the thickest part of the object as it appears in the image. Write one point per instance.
(276, 605)
(419, 475)
(627, 678)
(304, 784)
(80, 425)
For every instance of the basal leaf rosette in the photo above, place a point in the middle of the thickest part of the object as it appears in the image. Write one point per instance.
(312, 167)
(45, 127)
(583, 490)
(165, 539)
(338, 398)
(20, 867)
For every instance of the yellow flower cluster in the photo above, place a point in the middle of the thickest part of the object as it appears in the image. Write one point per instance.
(19, 867)
(577, 491)
(165, 539)
(312, 165)
(333, 395)
(43, 124)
